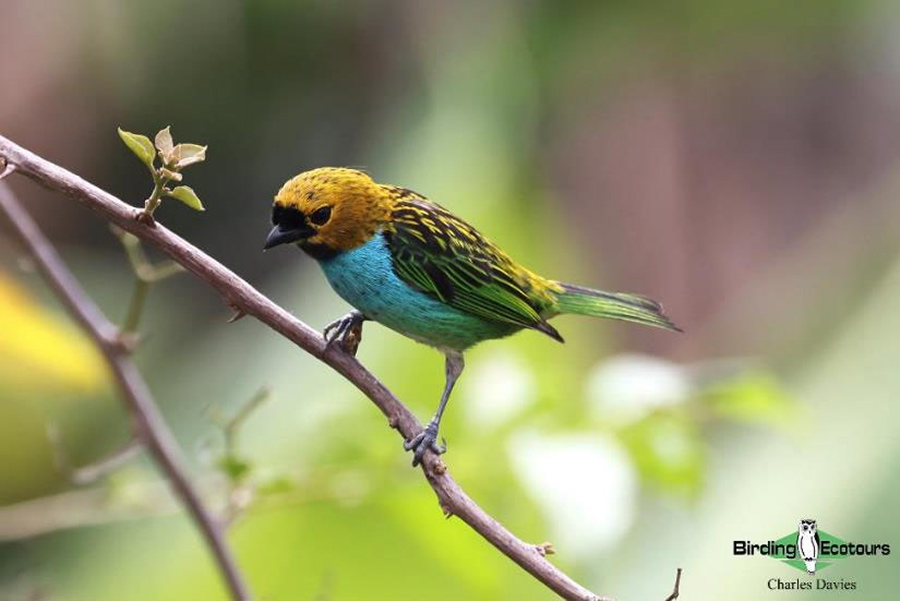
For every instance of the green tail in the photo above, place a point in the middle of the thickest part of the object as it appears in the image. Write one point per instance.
(613, 305)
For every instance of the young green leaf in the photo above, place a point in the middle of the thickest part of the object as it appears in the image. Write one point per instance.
(234, 467)
(186, 195)
(164, 143)
(188, 154)
(140, 145)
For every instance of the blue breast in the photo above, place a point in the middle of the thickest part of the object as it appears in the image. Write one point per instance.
(365, 278)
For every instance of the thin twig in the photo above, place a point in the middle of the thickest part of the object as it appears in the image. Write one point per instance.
(233, 425)
(136, 306)
(676, 590)
(91, 473)
(241, 493)
(150, 427)
(85, 507)
(245, 299)
(145, 275)
(88, 474)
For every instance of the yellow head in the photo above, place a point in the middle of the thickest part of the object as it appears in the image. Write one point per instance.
(328, 210)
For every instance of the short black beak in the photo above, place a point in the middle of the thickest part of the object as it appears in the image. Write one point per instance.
(279, 236)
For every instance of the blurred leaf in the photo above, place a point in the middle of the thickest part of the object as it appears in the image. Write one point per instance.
(668, 451)
(28, 469)
(186, 195)
(276, 486)
(41, 352)
(628, 387)
(753, 396)
(184, 155)
(234, 467)
(413, 513)
(140, 145)
(48, 369)
(164, 143)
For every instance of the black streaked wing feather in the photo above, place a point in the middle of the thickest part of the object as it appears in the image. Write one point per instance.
(441, 255)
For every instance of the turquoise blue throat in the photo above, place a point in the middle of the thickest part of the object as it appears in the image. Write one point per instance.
(365, 278)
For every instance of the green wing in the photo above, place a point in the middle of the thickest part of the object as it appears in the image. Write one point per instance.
(443, 256)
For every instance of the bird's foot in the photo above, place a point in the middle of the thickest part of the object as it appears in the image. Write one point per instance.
(423, 441)
(346, 332)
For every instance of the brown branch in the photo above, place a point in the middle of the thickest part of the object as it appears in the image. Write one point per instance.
(244, 299)
(677, 590)
(150, 428)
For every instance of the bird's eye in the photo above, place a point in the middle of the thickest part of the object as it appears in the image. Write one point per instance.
(321, 216)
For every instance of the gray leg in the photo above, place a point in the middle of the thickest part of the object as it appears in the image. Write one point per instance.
(341, 331)
(427, 438)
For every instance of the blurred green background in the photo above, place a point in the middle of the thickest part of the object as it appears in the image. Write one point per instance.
(739, 161)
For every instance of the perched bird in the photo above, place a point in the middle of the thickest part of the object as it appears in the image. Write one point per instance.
(413, 266)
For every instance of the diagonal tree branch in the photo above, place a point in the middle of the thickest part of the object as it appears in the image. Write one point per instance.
(150, 427)
(245, 299)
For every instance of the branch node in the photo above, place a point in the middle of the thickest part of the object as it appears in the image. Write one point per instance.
(239, 499)
(145, 217)
(128, 342)
(8, 168)
(394, 422)
(546, 548)
(440, 468)
(111, 338)
(239, 313)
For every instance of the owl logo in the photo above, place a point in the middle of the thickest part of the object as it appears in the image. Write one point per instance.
(808, 544)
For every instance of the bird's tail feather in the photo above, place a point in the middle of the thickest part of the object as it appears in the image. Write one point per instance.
(613, 305)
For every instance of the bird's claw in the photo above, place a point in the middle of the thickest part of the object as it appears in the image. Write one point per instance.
(423, 441)
(346, 332)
